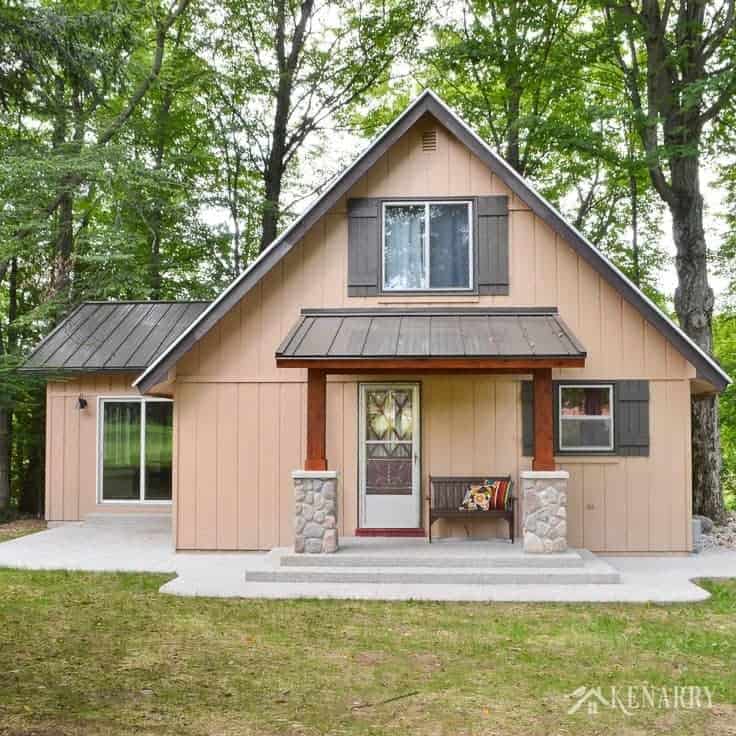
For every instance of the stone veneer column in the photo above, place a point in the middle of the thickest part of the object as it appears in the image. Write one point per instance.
(315, 507)
(544, 508)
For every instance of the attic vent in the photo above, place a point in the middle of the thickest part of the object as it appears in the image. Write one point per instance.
(429, 140)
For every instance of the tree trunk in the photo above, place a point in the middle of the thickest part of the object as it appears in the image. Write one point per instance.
(694, 307)
(32, 471)
(270, 217)
(635, 254)
(513, 155)
(64, 244)
(4, 448)
(707, 497)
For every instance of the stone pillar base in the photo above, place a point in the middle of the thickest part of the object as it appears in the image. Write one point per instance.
(315, 508)
(544, 509)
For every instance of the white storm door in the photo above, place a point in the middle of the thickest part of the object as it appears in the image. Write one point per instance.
(389, 456)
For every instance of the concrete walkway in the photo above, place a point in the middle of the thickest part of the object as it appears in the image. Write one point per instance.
(144, 545)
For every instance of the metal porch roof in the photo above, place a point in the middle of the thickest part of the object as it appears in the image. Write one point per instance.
(113, 336)
(430, 333)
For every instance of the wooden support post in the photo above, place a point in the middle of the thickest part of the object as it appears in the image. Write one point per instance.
(316, 420)
(543, 430)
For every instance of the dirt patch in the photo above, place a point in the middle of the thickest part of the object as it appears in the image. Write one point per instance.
(426, 661)
(20, 527)
(370, 658)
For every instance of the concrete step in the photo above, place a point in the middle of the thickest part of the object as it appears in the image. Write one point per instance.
(513, 559)
(595, 572)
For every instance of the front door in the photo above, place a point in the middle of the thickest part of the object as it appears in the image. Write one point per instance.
(389, 456)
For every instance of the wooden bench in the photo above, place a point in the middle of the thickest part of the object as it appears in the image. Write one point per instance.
(446, 495)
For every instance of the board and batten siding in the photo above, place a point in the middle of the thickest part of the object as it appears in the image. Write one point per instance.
(71, 447)
(240, 420)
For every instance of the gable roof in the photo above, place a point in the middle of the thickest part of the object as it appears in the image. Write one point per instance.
(428, 103)
(112, 336)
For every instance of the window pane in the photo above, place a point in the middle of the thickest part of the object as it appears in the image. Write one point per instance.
(159, 420)
(590, 401)
(449, 245)
(586, 433)
(389, 415)
(404, 247)
(121, 465)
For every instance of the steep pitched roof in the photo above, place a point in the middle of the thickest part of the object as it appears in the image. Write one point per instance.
(428, 103)
(104, 337)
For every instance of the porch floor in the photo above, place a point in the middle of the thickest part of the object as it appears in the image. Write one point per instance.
(145, 546)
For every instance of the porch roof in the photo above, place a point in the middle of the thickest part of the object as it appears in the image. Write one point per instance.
(432, 337)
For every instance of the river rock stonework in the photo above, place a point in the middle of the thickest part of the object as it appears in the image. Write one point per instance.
(544, 507)
(315, 508)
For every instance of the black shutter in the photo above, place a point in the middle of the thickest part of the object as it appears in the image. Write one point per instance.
(364, 246)
(492, 232)
(527, 419)
(631, 418)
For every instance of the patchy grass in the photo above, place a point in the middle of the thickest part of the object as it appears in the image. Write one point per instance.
(19, 528)
(107, 654)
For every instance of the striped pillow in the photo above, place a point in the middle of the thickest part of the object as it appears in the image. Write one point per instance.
(500, 497)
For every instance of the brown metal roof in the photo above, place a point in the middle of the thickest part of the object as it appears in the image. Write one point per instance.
(113, 336)
(430, 333)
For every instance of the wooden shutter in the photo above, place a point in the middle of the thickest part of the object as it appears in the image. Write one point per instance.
(492, 233)
(364, 246)
(631, 418)
(527, 419)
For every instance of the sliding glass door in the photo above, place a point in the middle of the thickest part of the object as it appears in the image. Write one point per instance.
(135, 457)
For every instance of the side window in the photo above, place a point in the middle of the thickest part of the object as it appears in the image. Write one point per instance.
(586, 417)
(591, 418)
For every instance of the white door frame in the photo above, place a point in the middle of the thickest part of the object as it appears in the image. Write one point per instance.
(416, 495)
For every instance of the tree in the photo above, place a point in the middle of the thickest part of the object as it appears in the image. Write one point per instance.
(289, 67)
(71, 76)
(511, 68)
(679, 74)
(532, 78)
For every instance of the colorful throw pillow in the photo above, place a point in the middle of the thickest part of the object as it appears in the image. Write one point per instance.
(477, 498)
(491, 496)
(500, 497)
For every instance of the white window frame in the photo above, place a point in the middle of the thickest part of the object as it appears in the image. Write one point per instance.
(583, 448)
(427, 203)
(141, 500)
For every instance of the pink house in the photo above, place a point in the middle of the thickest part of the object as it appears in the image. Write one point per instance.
(429, 324)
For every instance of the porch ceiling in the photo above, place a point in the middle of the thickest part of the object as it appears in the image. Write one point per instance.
(472, 338)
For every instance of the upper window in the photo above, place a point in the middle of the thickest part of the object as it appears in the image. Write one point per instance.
(135, 464)
(427, 246)
(586, 417)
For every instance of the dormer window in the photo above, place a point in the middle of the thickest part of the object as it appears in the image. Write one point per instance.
(427, 246)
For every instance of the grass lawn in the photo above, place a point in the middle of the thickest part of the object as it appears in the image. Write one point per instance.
(107, 654)
(19, 528)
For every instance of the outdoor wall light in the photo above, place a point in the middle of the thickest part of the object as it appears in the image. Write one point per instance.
(81, 403)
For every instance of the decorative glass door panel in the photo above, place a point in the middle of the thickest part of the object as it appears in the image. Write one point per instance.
(389, 456)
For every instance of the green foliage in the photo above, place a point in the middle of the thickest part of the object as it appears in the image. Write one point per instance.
(724, 337)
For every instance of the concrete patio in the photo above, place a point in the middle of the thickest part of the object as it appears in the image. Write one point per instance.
(144, 545)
